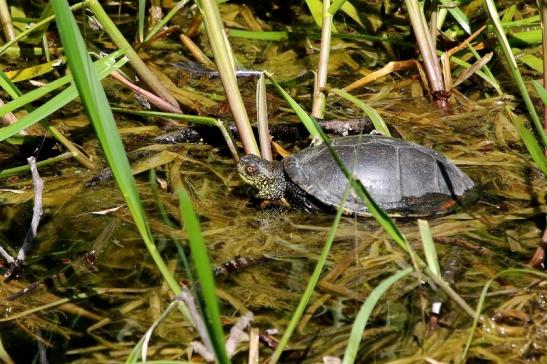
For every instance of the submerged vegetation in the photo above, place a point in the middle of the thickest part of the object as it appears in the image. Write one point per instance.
(137, 113)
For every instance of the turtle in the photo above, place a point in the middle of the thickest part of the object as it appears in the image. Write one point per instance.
(404, 178)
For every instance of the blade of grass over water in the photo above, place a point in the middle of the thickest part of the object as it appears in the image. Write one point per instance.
(141, 349)
(513, 67)
(165, 20)
(312, 282)
(529, 141)
(70, 93)
(377, 120)
(300, 112)
(366, 309)
(457, 14)
(429, 247)
(94, 99)
(140, 19)
(4, 173)
(205, 276)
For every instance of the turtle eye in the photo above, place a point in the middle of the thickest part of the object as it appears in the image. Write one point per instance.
(250, 170)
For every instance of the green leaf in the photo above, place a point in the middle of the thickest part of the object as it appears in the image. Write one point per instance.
(96, 104)
(513, 67)
(204, 274)
(103, 68)
(429, 247)
(364, 313)
(377, 120)
(457, 14)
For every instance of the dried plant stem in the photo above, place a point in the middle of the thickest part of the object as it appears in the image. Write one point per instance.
(262, 118)
(5, 17)
(425, 43)
(226, 67)
(196, 52)
(319, 98)
(134, 59)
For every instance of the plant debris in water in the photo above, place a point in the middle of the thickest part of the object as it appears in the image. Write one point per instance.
(93, 290)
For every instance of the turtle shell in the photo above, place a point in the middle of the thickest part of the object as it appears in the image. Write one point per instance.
(402, 177)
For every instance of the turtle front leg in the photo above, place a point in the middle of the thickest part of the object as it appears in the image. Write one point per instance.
(298, 198)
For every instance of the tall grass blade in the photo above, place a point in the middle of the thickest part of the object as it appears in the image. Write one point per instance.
(312, 282)
(94, 99)
(307, 120)
(205, 276)
(513, 67)
(364, 313)
(530, 142)
(429, 247)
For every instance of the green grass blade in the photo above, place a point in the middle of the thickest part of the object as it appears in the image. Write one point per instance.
(457, 14)
(513, 67)
(377, 120)
(307, 120)
(26, 168)
(530, 142)
(94, 99)
(205, 275)
(49, 107)
(103, 67)
(429, 247)
(312, 283)
(272, 36)
(141, 15)
(316, 10)
(364, 313)
(162, 23)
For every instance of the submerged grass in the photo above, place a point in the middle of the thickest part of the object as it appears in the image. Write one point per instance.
(94, 99)
(503, 228)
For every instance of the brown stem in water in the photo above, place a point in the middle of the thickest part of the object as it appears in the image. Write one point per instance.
(427, 49)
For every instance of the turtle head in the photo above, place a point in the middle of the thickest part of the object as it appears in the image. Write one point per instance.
(268, 177)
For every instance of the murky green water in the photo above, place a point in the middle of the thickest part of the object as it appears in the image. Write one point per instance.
(126, 293)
